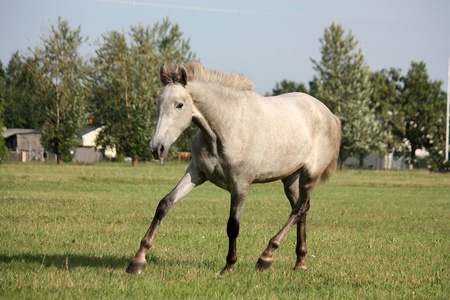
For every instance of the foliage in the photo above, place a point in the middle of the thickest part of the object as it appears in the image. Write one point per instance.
(70, 231)
(434, 162)
(286, 86)
(125, 83)
(3, 149)
(423, 103)
(23, 108)
(412, 108)
(60, 75)
(386, 100)
(343, 84)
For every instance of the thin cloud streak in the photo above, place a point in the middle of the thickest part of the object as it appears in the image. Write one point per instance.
(263, 13)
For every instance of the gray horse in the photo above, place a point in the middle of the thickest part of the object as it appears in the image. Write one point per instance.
(244, 138)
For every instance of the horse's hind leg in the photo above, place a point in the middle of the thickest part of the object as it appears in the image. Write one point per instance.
(292, 191)
(300, 250)
(300, 208)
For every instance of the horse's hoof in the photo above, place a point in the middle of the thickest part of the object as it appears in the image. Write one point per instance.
(263, 264)
(300, 263)
(227, 268)
(300, 267)
(136, 267)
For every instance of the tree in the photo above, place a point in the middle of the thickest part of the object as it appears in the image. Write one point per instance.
(411, 108)
(60, 74)
(423, 105)
(125, 83)
(3, 149)
(343, 84)
(286, 86)
(386, 100)
(22, 106)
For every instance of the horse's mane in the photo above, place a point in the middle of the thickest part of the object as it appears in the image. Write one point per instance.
(196, 71)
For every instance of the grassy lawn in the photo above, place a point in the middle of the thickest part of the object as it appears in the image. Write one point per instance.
(69, 232)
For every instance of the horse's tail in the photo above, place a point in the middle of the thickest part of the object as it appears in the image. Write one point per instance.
(329, 171)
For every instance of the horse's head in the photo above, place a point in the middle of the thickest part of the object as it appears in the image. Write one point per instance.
(174, 106)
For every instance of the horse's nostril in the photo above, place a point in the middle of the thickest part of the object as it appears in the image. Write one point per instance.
(158, 151)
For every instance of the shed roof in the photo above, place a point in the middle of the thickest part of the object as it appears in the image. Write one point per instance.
(18, 131)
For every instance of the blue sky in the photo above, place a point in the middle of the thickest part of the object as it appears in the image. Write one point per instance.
(265, 40)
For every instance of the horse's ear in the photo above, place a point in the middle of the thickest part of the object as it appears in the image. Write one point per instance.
(173, 74)
(164, 76)
(183, 75)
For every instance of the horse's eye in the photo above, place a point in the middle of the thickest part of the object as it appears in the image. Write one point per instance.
(180, 105)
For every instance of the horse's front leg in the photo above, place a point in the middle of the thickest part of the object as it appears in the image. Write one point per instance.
(190, 180)
(238, 197)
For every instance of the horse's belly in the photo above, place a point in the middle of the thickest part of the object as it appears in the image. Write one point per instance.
(281, 152)
(273, 169)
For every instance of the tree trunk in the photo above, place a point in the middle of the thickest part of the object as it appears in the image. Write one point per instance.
(59, 159)
(135, 161)
(413, 155)
(361, 161)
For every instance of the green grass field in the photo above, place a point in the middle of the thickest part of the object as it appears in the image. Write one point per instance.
(69, 232)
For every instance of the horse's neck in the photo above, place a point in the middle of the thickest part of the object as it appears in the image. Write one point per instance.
(211, 109)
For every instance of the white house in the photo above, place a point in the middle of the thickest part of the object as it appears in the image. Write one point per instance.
(86, 152)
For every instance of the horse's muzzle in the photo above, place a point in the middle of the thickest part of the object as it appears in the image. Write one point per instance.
(159, 152)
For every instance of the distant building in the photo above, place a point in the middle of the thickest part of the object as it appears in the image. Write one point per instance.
(25, 144)
(387, 162)
(373, 161)
(86, 151)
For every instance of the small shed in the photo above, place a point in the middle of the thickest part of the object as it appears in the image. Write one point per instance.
(24, 144)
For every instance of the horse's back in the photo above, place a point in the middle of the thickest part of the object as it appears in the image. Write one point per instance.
(288, 131)
(324, 129)
(303, 102)
(299, 112)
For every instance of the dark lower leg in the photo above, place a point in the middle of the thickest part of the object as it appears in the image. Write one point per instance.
(265, 260)
(297, 215)
(301, 250)
(138, 262)
(238, 196)
(301, 245)
(232, 232)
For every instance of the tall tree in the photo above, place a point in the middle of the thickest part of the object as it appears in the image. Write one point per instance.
(3, 149)
(125, 83)
(411, 108)
(22, 106)
(343, 84)
(423, 105)
(287, 86)
(61, 74)
(386, 100)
